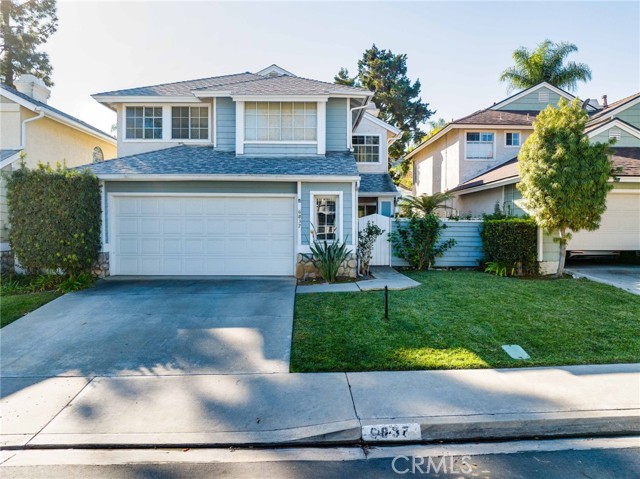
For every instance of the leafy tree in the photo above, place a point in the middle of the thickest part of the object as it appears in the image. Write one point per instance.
(25, 26)
(564, 178)
(423, 205)
(399, 102)
(545, 63)
(435, 126)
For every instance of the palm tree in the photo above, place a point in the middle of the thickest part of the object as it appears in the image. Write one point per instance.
(545, 63)
(424, 204)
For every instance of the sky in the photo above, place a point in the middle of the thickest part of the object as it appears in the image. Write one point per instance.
(456, 49)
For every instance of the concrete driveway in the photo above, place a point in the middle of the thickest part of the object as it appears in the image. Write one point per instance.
(156, 327)
(625, 277)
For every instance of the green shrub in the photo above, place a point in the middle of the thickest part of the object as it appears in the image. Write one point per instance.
(76, 283)
(328, 257)
(55, 219)
(366, 240)
(417, 242)
(510, 246)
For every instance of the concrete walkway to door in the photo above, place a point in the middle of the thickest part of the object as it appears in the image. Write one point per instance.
(156, 326)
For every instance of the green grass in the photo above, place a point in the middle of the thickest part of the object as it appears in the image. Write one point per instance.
(460, 319)
(14, 306)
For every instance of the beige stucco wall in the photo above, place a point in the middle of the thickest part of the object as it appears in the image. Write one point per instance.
(50, 142)
(478, 203)
(9, 124)
(430, 162)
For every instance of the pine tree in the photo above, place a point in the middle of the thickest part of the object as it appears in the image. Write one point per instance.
(25, 26)
(397, 98)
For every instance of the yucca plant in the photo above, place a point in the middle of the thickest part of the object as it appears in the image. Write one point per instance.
(328, 257)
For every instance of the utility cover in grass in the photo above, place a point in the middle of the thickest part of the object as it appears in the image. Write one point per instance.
(515, 351)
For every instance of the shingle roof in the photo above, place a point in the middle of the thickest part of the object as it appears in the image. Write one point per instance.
(376, 183)
(498, 117)
(204, 160)
(4, 154)
(47, 107)
(242, 84)
(506, 170)
(627, 159)
(614, 105)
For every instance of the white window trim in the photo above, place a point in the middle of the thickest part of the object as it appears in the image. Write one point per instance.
(479, 131)
(512, 146)
(339, 212)
(380, 145)
(166, 124)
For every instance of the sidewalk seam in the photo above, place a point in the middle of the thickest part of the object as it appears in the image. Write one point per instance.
(355, 409)
(26, 444)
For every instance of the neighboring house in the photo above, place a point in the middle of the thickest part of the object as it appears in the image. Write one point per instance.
(236, 174)
(34, 132)
(475, 158)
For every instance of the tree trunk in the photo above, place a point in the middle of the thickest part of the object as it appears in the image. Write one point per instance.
(563, 252)
(7, 62)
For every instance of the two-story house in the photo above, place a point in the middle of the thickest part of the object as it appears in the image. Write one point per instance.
(33, 132)
(476, 159)
(237, 174)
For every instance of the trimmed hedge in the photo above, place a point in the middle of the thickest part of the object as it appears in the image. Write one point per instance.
(511, 243)
(55, 219)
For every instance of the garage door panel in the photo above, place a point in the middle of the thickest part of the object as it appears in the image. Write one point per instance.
(619, 227)
(203, 235)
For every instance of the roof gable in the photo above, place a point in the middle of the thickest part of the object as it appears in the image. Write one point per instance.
(274, 70)
(536, 98)
(617, 107)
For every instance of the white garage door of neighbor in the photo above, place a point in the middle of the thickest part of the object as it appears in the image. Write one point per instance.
(202, 235)
(619, 227)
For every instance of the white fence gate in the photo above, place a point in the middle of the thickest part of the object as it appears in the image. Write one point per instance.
(382, 246)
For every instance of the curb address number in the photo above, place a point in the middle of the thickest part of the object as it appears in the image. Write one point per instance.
(392, 432)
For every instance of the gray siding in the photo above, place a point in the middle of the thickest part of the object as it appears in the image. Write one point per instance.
(626, 139)
(225, 124)
(631, 115)
(468, 249)
(347, 208)
(337, 124)
(279, 150)
(531, 102)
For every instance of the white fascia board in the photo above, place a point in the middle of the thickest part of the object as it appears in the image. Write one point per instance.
(59, 118)
(615, 111)
(434, 138)
(9, 160)
(381, 123)
(617, 124)
(488, 186)
(279, 178)
(307, 98)
(533, 89)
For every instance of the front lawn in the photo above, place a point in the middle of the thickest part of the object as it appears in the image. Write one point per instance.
(460, 319)
(14, 306)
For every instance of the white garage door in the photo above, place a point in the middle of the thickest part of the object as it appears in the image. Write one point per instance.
(619, 228)
(180, 235)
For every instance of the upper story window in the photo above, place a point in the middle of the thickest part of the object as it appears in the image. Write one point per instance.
(512, 139)
(143, 122)
(281, 121)
(189, 123)
(366, 148)
(480, 146)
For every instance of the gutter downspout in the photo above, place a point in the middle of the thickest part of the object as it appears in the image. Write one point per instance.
(23, 139)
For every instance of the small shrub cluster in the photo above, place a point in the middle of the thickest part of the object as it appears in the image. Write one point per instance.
(366, 240)
(55, 219)
(23, 284)
(510, 246)
(327, 258)
(417, 241)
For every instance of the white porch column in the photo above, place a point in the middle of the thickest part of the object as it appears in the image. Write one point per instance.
(322, 128)
(239, 127)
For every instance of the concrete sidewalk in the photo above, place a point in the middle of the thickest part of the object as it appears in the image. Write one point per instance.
(382, 276)
(323, 408)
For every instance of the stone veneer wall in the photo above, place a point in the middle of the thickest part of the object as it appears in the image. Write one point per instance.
(7, 262)
(101, 267)
(305, 269)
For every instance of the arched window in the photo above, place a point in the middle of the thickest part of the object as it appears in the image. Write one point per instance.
(98, 156)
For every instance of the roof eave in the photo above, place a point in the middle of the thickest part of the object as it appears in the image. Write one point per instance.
(222, 177)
